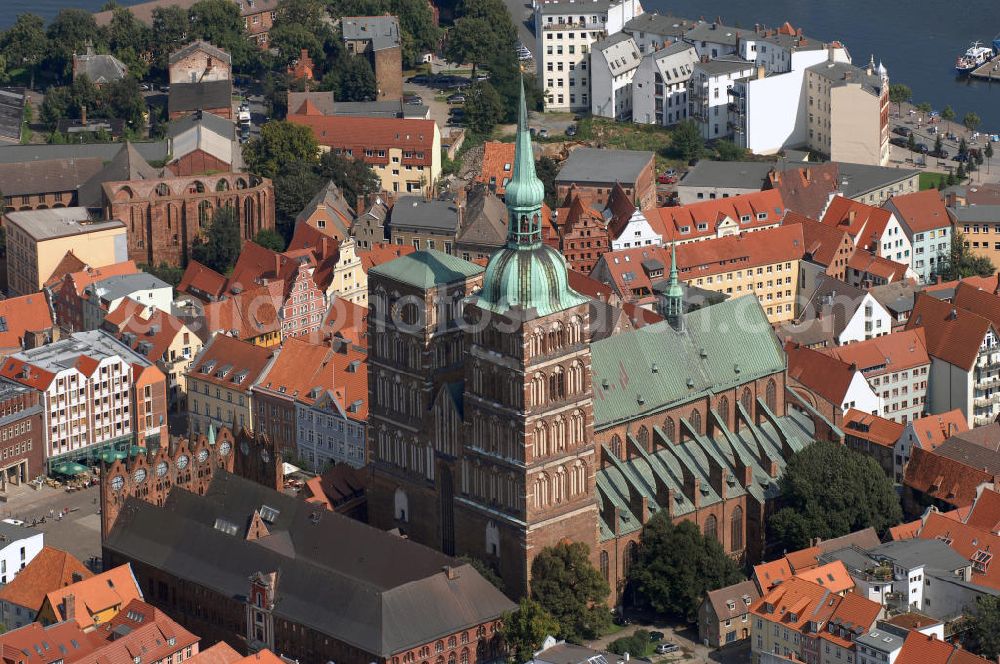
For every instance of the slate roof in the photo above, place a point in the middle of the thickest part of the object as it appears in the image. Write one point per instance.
(426, 269)
(381, 31)
(19, 154)
(724, 65)
(601, 166)
(420, 213)
(50, 175)
(897, 297)
(337, 575)
(200, 45)
(648, 370)
(204, 95)
(484, 222)
(126, 164)
(662, 25)
(808, 189)
(99, 67)
(741, 594)
(11, 113)
(930, 553)
(827, 312)
(727, 174)
(620, 53)
(842, 73)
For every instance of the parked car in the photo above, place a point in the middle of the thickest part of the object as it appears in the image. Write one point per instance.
(922, 148)
(667, 648)
(666, 178)
(164, 88)
(898, 141)
(543, 133)
(456, 99)
(14, 522)
(902, 131)
(456, 111)
(571, 130)
(961, 157)
(145, 87)
(419, 79)
(413, 99)
(940, 154)
(656, 636)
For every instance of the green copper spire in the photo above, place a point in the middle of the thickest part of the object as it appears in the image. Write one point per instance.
(526, 273)
(673, 309)
(525, 193)
(211, 434)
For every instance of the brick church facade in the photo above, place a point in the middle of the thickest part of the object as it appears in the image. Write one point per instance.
(498, 427)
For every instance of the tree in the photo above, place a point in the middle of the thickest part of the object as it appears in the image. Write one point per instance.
(354, 177)
(356, 80)
(677, 564)
(937, 144)
(984, 627)
(568, 587)
(219, 245)
(827, 491)
(220, 22)
(168, 273)
(899, 94)
(547, 169)
(293, 189)
(948, 114)
(24, 44)
(484, 570)
(971, 121)
(960, 173)
(911, 142)
(963, 147)
(962, 262)
(988, 153)
(307, 13)
(270, 239)
(280, 145)
(524, 630)
(924, 107)
(123, 99)
(637, 645)
(172, 27)
(687, 142)
(69, 33)
(729, 151)
(130, 41)
(483, 108)
(470, 41)
(290, 38)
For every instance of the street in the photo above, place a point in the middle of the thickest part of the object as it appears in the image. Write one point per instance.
(522, 15)
(686, 637)
(79, 532)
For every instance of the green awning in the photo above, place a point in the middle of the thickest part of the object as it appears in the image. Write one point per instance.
(70, 469)
(136, 450)
(110, 456)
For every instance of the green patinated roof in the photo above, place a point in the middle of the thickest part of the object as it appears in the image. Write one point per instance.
(733, 334)
(532, 278)
(665, 467)
(426, 269)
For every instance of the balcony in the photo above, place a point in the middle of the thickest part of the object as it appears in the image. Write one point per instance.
(982, 421)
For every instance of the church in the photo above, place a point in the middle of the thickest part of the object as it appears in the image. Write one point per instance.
(501, 422)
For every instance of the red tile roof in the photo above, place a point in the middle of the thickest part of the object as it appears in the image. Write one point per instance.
(202, 282)
(359, 134)
(115, 587)
(337, 485)
(832, 576)
(897, 351)
(953, 334)
(382, 252)
(921, 211)
(769, 575)
(942, 478)
(225, 351)
(795, 602)
(820, 242)
(853, 611)
(346, 320)
(38, 644)
(932, 430)
(152, 330)
(966, 540)
(249, 314)
(736, 252)
(922, 648)
(220, 653)
(744, 211)
(823, 374)
(862, 222)
(803, 559)
(806, 190)
(978, 301)
(872, 428)
(89, 275)
(49, 570)
(68, 264)
(149, 632)
(883, 268)
(985, 512)
(498, 165)
(20, 315)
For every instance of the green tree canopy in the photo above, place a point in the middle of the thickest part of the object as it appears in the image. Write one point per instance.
(172, 27)
(483, 108)
(294, 187)
(962, 262)
(568, 587)
(984, 627)
(924, 107)
(971, 121)
(899, 94)
(69, 33)
(220, 22)
(947, 113)
(354, 177)
(290, 38)
(827, 491)
(547, 169)
(270, 239)
(524, 630)
(484, 570)
(219, 246)
(25, 44)
(168, 273)
(729, 151)
(279, 145)
(356, 81)
(677, 565)
(686, 141)
(470, 41)
(130, 40)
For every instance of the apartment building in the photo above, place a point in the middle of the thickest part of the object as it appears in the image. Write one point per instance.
(896, 366)
(709, 92)
(718, 218)
(613, 65)
(22, 432)
(97, 394)
(926, 433)
(660, 85)
(980, 226)
(219, 382)
(874, 230)
(37, 240)
(927, 225)
(404, 153)
(849, 112)
(425, 224)
(378, 39)
(104, 296)
(565, 31)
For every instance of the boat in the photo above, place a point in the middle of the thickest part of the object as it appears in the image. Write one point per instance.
(974, 57)
(996, 44)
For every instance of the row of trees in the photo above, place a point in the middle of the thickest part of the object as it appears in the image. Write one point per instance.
(900, 93)
(827, 491)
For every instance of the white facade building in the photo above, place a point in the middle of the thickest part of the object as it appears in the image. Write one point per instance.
(637, 232)
(653, 31)
(565, 31)
(660, 85)
(18, 547)
(329, 431)
(713, 40)
(868, 321)
(102, 297)
(613, 64)
(708, 93)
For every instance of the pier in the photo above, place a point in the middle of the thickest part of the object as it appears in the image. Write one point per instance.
(989, 71)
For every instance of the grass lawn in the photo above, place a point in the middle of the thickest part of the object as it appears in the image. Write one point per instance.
(628, 136)
(931, 180)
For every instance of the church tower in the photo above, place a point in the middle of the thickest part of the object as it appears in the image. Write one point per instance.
(528, 459)
(673, 304)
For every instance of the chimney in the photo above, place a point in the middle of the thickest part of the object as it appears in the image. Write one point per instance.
(761, 73)
(83, 114)
(69, 607)
(831, 53)
(450, 572)
(277, 264)
(851, 215)
(807, 174)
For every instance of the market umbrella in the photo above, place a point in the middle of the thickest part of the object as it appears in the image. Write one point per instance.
(70, 469)
(136, 450)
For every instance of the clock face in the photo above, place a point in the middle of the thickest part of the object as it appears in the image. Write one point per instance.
(224, 448)
(139, 476)
(182, 462)
(265, 455)
(117, 483)
(202, 455)
(161, 469)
